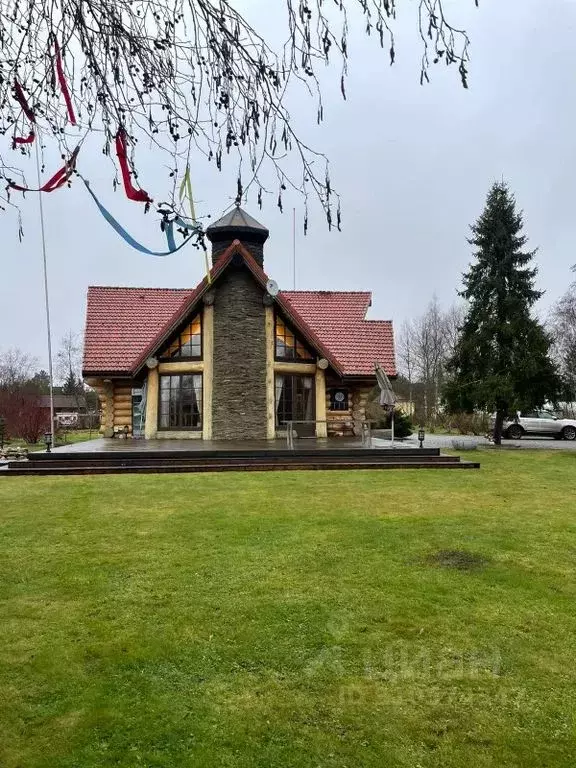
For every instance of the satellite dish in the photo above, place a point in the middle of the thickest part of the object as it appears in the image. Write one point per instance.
(322, 363)
(272, 287)
(152, 362)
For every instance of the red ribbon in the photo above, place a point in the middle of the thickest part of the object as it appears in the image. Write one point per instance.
(21, 99)
(24, 139)
(54, 182)
(64, 84)
(138, 195)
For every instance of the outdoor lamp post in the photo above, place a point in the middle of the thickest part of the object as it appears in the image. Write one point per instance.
(421, 436)
(2, 432)
(48, 441)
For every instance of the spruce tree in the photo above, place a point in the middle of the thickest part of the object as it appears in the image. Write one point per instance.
(71, 385)
(502, 358)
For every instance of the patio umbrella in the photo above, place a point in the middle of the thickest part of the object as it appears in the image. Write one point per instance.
(387, 396)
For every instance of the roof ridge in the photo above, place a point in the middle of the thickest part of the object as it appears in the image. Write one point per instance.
(134, 288)
(355, 293)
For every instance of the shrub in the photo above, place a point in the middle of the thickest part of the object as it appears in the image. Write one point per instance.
(468, 423)
(24, 416)
(402, 424)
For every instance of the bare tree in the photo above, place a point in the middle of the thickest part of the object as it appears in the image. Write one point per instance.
(69, 359)
(190, 76)
(16, 369)
(425, 344)
(405, 356)
(562, 328)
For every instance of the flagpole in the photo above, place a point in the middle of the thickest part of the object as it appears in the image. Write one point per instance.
(294, 249)
(46, 297)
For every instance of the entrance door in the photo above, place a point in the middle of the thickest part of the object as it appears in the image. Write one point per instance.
(138, 411)
(296, 402)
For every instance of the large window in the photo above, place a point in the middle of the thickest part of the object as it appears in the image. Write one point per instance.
(294, 399)
(180, 402)
(188, 344)
(288, 347)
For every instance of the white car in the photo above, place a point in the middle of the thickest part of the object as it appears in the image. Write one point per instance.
(542, 423)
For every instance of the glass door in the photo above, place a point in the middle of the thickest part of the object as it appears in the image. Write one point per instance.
(295, 401)
(138, 411)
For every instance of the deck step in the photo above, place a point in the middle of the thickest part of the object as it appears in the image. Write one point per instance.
(236, 461)
(22, 469)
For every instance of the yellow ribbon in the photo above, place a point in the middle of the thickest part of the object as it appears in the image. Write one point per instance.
(186, 191)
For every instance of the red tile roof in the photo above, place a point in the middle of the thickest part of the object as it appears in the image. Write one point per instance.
(124, 326)
(338, 319)
(122, 322)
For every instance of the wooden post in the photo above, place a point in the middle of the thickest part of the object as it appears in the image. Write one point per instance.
(108, 409)
(152, 405)
(270, 381)
(321, 426)
(208, 373)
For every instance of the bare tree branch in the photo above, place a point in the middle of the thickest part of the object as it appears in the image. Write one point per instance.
(192, 76)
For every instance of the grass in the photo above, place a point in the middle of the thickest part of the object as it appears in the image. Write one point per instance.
(417, 619)
(64, 437)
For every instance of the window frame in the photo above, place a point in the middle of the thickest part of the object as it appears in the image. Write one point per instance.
(180, 428)
(296, 382)
(297, 342)
(166, 358)
(332, 393)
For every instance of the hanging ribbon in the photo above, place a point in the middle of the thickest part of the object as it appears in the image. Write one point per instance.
(54, 182)
(186, 191)
(21, 99)
(138, 195)
(24, 139)
(168, 230)
(64, 84)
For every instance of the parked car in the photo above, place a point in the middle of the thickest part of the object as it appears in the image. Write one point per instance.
(538, 423)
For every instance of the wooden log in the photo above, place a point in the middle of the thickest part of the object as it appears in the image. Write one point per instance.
(270, 380)
(152, 405)
(208, 374)
(180, 367)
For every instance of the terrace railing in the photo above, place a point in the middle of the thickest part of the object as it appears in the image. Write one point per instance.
(363, 429)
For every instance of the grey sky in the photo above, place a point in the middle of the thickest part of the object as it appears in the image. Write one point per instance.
(413, 165)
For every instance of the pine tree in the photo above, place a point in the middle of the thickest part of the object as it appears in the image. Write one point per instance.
(502, 358)
(72, 385)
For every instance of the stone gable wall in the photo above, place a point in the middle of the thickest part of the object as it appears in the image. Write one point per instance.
(239, 378)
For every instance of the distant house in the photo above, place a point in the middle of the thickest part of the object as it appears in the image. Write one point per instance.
(233, 358)
(67, 408)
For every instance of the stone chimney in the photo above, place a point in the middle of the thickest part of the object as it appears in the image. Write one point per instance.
(238, 225)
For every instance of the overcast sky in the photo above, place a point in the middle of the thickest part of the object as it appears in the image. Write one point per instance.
(413, 165)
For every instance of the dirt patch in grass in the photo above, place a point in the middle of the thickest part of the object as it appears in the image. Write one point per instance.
(458, 559)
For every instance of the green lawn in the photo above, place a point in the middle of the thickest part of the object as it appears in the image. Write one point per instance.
(62, 438)
(291, 619)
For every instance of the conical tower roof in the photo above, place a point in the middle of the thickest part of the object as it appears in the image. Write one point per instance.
(237, 224)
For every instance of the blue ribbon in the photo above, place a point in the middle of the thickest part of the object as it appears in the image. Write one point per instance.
(168, 230)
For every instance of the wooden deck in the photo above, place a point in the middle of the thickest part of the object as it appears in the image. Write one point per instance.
(168, 456)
